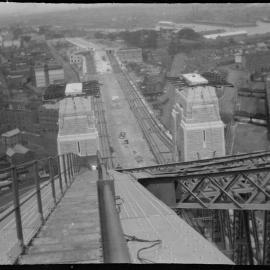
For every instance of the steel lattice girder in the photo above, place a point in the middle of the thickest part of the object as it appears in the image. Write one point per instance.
(213, 163)
(235, 188)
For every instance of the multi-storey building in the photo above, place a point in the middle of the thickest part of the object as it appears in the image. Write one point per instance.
(11, 138)
(197, 128)
(22, 119)
(40, 76)
(75, 58)
(55, 73)
(48, 117)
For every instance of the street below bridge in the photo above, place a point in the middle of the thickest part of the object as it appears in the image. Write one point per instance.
(131, 150)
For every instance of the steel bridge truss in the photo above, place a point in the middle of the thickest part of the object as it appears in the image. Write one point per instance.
(235, 193)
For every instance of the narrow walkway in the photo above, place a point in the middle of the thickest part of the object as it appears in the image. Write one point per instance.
(72, 232)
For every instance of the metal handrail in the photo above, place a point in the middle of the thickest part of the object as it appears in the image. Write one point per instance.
(70, 168)
(115, 248)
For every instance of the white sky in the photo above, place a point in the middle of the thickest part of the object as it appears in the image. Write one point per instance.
(27, 8)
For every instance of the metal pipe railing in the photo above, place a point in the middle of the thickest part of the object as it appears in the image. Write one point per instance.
(54, 164)
(114, 244)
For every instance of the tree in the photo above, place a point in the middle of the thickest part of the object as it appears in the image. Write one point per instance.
(188, 33)
(98, 35)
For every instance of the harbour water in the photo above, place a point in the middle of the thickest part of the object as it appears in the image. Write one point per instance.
(261, 28)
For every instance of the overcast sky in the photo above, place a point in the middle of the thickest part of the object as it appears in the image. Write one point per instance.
(27, 8)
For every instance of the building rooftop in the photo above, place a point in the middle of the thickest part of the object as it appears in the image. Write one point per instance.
(54, 65)
(194, 79)
(73, 88)
(17, 149)
(129, 48)
(11, 132)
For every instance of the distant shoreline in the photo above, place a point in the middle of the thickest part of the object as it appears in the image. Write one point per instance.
(225, 24)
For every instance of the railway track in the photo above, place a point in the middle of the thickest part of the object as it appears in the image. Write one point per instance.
(161, 132)
(106, 149)
(158, 141)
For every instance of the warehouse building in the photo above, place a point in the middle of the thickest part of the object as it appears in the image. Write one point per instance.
(55, 73)
(198, 131)
(46, 74)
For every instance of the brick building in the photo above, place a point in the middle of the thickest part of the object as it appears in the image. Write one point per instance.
(198, 131)
(257, 61)
(11, 138)
(22, 119)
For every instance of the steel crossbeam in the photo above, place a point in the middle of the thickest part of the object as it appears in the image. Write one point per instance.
(213, 163)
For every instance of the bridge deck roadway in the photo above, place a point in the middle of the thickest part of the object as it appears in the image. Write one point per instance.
(72, 232)
(144, 216)
(120, 118)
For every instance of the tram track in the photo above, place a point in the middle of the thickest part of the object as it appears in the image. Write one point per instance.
(159, 143)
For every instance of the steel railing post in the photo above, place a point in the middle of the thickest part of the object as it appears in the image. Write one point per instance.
(75, 163)
(39, 201)
(72, 164)
(65, 169)
(78, 163)
(68, 168)
(60, 174)
(52, 180)
(16, 201)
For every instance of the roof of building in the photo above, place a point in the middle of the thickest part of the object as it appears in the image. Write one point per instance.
(73, 88)
(194, 79)
(17, 149)
(11, 132)
(129, 48)
(53, 65)
(226, 34)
